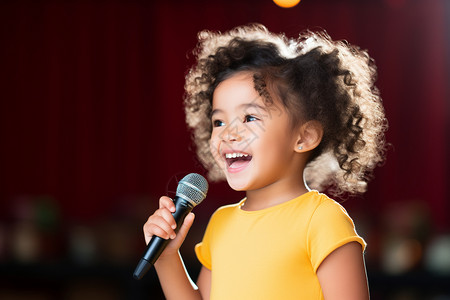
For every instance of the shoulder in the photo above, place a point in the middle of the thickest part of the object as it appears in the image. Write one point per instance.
(320, 204)
(315, 204)
(323, 206)
(329, 218)
(225, 211)
(331, 221)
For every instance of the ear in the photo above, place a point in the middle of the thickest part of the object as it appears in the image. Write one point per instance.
(309, 136)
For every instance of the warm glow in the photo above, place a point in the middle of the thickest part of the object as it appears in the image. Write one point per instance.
(286, 3)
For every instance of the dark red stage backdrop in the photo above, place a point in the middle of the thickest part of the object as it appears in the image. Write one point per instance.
(91, 95)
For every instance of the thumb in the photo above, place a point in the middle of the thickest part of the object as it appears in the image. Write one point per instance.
(184, 229)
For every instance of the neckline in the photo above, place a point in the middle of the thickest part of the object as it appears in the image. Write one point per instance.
(268, 209)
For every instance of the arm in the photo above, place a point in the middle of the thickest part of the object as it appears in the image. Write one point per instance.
(174, 279)
(342, 275)
(204, 282)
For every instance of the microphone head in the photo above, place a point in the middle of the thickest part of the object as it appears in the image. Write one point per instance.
(192, 188)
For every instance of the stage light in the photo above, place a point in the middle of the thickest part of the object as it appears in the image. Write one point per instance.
(286, 3)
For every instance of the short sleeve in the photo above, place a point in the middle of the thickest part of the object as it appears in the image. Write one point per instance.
(330, 228)
(202, 249)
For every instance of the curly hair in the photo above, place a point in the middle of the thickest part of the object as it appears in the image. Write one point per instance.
(315, 78)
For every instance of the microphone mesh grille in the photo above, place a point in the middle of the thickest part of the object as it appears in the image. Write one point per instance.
(193, 187)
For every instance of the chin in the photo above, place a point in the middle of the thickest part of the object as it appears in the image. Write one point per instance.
(237, 185)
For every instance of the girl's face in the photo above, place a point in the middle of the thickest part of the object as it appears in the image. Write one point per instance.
(252, 143)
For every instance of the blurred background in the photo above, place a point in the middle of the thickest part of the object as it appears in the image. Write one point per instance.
(92, 133)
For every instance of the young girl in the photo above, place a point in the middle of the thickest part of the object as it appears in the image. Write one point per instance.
(275, 116)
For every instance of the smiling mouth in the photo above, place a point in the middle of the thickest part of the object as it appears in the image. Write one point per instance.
(237, 160)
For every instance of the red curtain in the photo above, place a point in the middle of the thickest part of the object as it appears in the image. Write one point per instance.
(91, 112)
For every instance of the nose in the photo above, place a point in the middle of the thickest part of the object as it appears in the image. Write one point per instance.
(233, 133)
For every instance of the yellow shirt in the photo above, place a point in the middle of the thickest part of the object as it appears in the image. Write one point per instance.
(273, 253)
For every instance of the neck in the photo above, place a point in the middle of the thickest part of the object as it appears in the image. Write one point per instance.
(275, 193)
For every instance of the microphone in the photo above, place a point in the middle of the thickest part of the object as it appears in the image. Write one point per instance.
(191, 190)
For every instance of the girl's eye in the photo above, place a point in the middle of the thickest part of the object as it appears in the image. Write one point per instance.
(218, 123)
(250, 118)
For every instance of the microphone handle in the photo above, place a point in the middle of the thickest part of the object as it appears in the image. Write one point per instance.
(157, 244)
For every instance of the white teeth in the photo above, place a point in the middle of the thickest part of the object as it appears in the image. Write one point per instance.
(234, 155)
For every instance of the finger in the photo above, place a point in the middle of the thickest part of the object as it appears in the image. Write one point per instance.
(184, 229)
(166, 202)
(157, 225)
(167, 216)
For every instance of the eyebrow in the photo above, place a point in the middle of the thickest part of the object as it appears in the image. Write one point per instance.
(244, 106)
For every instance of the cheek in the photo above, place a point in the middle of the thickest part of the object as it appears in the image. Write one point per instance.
(214, 148)
(275, 145)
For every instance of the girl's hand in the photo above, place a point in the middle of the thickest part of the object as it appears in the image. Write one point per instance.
(162, 224)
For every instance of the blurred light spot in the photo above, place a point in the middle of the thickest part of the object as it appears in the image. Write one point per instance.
(82, 245)
(286, 3)
(400, 255)
(25, 243)
(437, 258)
